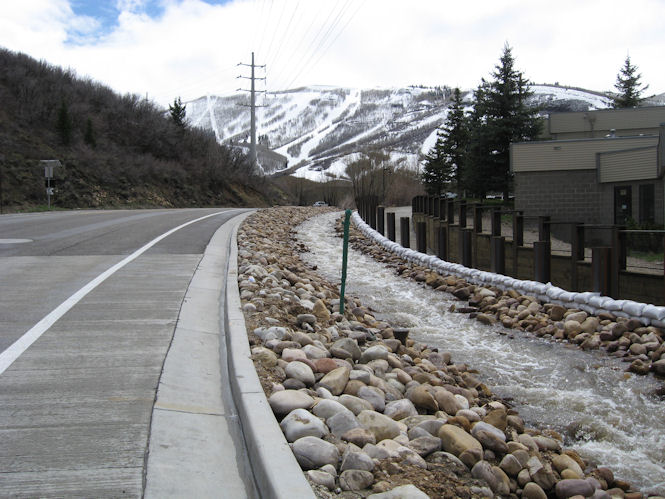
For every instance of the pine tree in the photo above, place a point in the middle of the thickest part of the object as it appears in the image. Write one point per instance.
(177, 112)
(436, 174)
(455, 135)
(628, 85)
(501, 115)
(64, 124)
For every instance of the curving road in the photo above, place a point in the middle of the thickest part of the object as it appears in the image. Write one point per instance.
(77, 395)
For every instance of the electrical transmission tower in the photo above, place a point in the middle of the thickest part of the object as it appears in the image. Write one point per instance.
(253, 106)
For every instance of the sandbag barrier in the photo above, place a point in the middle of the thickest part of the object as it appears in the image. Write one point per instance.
(588, 301)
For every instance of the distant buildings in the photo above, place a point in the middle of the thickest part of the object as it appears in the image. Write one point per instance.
(601, 167)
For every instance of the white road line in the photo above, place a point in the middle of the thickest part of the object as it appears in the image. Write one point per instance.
(17, 348)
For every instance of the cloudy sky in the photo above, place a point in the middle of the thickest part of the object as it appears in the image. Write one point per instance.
(187, 48)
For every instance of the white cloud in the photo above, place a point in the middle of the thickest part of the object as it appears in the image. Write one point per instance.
(192, 47)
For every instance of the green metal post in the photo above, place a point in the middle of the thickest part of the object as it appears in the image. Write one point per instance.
(345, 254)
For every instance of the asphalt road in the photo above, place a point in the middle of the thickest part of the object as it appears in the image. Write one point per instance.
(75, 405)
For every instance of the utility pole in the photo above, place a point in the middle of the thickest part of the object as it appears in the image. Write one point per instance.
(253, 106)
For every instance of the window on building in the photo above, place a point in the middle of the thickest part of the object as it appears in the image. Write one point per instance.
(647, 203)
(623, 204)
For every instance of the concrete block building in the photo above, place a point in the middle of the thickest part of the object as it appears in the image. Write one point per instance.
(600, 167)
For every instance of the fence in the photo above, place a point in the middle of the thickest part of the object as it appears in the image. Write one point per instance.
(594, 258)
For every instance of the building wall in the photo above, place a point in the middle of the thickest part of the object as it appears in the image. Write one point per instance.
(562, 195)
(570, 154)
(626, 166)
(591, 124)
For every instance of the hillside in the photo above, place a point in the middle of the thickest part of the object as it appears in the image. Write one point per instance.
(115, 150)
(317, 129)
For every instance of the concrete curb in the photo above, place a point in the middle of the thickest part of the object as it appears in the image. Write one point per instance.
(276, 471)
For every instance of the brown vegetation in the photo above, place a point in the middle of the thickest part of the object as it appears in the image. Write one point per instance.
(115, 150)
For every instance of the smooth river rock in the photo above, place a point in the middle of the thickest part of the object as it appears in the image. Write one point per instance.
(456, 440)
(302, 423)
(336, 380)
(285, 401)
(312, 453)
(380, 425)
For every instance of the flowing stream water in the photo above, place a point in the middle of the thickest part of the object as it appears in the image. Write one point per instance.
(612, 419)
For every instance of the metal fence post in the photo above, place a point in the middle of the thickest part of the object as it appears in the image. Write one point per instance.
(542, 261)
(391, 225)
(421, 237)
(477, 218)
(405, 236)
(498, 264)
(443, 243)
(576, 253)
(466, 247)
(518, 238)
(618, 259)
(381, 220)
(601, 258)
(496, 222)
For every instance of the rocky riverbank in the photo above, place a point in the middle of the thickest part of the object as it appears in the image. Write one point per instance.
(638, 345)
(372, 413)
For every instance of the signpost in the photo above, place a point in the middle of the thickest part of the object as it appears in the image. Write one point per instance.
(49, 165)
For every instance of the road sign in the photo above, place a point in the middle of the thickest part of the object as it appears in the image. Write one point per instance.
(49, 164)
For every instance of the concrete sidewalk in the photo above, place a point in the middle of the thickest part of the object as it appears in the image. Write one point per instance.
(212, 432)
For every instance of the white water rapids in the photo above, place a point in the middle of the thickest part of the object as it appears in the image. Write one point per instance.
(611, 419)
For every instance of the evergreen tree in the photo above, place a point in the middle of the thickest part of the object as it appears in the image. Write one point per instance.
(177, 112)
(436, 174)
(64, 124)
(456, 140)
(628, 86)
(89, 135)
(501, 115)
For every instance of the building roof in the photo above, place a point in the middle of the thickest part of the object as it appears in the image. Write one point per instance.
(639, 118)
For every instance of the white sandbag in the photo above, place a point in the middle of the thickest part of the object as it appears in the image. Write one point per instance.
(567, 297)
(633, 308)
(597, 301)
(654, 312)
(584, 297)
(553, 292)
(613, 305)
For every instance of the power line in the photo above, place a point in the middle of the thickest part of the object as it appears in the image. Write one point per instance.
(302, 40)
(328, 35)
(274, 32)
(263, 31)
(286, 37)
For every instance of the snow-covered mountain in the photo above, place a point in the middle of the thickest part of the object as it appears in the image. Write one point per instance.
(315, 132)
